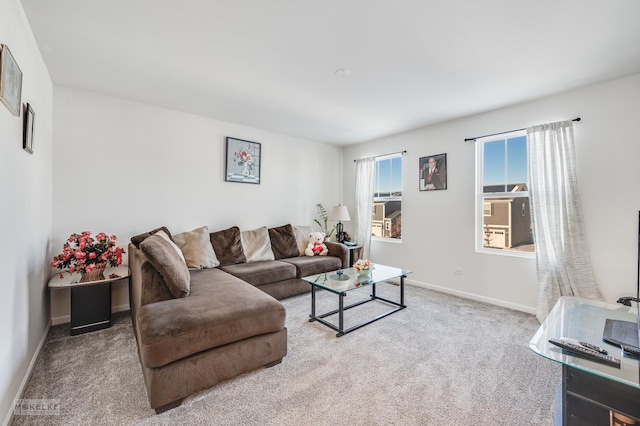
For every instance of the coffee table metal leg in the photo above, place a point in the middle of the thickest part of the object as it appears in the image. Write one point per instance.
(402, 291)
(341, 314)
(312, 317)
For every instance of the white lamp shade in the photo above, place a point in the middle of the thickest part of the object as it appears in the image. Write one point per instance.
(339, 213)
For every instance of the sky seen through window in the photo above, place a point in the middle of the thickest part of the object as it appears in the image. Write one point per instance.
(505, 161)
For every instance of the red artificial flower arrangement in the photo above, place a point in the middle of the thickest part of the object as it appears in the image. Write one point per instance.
(83, 254)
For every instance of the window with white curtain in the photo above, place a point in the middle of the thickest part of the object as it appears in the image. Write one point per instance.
(386, 220)
(503, 214)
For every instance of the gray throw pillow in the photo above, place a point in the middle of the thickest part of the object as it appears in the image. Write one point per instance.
(227, 246)
(162, 254)
(283, 242)
(137, 239)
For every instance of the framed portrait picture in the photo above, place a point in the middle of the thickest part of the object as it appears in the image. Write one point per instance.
(10, 81)
(433, 172)
(243, 161)
(29, 116)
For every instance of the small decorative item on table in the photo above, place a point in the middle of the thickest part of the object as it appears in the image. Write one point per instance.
(88, 256)
(363, 267)
(340, 281)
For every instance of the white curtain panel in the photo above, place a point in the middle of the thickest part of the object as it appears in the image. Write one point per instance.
(365, 175)
(562, 256)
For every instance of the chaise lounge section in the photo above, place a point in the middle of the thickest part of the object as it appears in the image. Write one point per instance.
(227, 322)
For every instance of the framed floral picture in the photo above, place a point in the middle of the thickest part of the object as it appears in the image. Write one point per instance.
(433, 172)
(10, 81)
(29, 116)
(243, 161)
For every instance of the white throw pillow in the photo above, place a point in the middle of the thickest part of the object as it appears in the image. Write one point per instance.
(302, 237)
(257, 245)
(197, 249)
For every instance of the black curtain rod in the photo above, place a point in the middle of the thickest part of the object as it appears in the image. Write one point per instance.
(384, 155)
(502, 133)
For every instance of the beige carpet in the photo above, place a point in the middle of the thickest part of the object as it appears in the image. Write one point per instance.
(442, 361)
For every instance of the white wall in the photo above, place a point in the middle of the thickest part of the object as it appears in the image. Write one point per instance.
(124, 168)
(25, 213)
(438, 227)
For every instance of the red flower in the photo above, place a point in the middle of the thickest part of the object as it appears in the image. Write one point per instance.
(82, 253)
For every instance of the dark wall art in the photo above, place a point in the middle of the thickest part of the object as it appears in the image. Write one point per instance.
(433, 172)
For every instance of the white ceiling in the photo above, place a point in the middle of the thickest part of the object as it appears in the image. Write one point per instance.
(271, 63)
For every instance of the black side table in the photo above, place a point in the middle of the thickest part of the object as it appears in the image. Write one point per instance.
(90, 301)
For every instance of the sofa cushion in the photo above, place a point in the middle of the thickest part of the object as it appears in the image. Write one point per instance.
(265, 272)
(137, 239)
(228, 246)
(256, 245)
(162, 254)
(197, 249)
(221, 309)
(302, 237)
(283, 242)
(311, 265)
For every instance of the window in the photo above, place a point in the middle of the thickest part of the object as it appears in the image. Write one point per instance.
(503, 211)
(487, 209)
(387, 198)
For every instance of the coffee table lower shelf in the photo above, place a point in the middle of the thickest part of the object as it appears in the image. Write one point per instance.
(341, 331)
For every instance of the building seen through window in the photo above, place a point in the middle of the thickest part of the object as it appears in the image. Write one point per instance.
(503, 195)
(387, 198)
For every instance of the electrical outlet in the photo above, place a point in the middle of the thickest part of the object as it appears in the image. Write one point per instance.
(458, 271)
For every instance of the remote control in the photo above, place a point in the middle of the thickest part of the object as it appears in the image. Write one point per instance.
(594, 347)
(585, 344)
(584, 351)
(633, 350)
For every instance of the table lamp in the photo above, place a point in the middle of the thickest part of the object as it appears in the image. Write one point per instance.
(339, 213)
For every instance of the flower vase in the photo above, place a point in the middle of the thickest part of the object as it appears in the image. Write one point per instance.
(364, 275)
(96, 275)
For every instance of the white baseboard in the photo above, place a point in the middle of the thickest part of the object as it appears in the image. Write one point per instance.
(60, 320)
(63, 319)
(497, 302)
(120, 308)
(9, 419)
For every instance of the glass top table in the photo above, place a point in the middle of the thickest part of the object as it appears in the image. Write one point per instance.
(342, 281)
(591, 393)
(584, 320)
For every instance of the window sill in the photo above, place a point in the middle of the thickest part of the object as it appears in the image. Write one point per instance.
(387, 240)
(508, 253)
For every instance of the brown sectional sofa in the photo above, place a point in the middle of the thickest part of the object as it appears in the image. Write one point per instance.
(229, 323)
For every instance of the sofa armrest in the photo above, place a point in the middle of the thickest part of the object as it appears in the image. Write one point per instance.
(339, 250)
